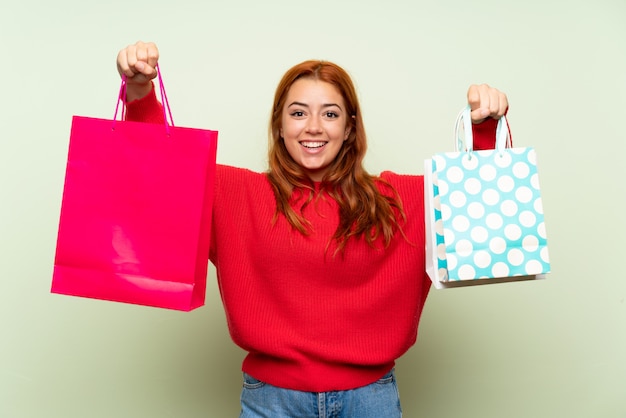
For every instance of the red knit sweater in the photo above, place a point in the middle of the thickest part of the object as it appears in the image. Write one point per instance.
(309, 320)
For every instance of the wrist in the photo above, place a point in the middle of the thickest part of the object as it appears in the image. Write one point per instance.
(136, 91)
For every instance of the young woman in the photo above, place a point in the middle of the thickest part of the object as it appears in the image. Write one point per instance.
(320, 265)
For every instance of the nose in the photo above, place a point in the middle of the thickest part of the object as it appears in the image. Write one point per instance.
(314, 125)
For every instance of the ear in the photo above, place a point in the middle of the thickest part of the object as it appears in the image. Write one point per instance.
(348, 130)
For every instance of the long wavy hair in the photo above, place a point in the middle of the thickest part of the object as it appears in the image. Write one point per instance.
(363, 210)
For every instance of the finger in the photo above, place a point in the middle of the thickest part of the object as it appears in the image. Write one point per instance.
(494, 101)
(503, 104)
(152, 53)
(498, 103)
(473, 97)
(123, 65)
(477, 99)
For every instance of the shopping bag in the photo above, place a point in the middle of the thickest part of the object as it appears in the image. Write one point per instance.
(136, 212)
(484, 213)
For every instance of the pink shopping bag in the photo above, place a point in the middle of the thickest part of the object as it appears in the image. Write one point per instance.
(136, 212)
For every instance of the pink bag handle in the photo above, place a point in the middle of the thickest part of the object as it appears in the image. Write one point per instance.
(165, 102)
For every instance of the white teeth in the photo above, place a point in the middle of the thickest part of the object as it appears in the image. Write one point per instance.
(313, 144)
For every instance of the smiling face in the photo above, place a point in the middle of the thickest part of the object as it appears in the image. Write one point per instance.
(314, 125)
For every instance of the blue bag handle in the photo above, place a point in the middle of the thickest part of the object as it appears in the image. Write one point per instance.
(467, 143)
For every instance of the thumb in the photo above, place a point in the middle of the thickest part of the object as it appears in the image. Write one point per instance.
(148, 71)
(142, 73)
(479, 114)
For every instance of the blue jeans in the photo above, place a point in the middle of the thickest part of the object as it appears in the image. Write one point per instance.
(377, 400)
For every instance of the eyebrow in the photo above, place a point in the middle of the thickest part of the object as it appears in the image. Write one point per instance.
(306, 105)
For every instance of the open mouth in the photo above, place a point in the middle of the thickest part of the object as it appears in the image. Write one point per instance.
(313, 144)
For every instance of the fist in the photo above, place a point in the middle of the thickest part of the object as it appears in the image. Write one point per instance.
(486, 101)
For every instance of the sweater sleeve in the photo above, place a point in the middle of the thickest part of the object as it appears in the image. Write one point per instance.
(147, 109)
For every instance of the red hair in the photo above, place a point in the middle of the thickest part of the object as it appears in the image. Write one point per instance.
(363, 209)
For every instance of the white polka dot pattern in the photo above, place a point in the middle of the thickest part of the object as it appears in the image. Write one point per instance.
(489, 215)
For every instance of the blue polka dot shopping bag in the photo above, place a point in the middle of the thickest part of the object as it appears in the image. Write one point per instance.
(484, 213)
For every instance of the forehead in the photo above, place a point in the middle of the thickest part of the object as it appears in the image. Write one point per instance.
(309, 91)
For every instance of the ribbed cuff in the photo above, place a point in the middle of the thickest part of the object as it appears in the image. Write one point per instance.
(147, 109)
(485, 134)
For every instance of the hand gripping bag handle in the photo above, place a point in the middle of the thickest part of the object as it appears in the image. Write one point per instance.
(121, 98)
(503, 133)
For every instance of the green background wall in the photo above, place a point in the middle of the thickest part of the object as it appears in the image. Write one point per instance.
(553, 348)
